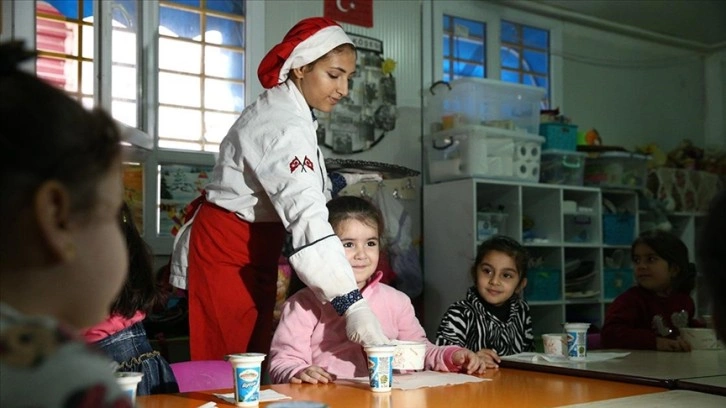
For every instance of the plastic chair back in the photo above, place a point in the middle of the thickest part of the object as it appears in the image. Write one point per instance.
(203, 375)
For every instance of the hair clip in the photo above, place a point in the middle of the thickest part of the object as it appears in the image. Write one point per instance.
(13, 53)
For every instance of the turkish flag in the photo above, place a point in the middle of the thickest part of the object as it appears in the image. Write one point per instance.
(358, 12)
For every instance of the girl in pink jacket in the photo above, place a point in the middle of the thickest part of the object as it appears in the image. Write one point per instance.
(310, 343)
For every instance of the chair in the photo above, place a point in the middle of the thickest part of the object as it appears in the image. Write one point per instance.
(203, 375)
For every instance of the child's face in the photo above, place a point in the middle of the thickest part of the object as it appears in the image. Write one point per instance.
(497, 278)
(99, 269)
(651, 271)
(361, 245)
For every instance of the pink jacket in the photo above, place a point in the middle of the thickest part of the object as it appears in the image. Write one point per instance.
(112, 325)
(311, 333)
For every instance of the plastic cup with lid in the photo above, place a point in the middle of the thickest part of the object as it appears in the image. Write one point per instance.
(380, 366)
(247, 369)
(129, 383)
(576, 340)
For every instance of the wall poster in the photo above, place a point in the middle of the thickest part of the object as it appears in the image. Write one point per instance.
(361, 119)
(178, 186)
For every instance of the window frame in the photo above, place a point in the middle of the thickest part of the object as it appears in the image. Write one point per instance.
(19, 23)
(491, 15)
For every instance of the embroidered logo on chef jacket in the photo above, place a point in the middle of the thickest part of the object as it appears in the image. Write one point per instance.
(296, 163)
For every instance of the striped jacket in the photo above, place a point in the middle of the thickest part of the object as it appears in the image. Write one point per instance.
(468, 323)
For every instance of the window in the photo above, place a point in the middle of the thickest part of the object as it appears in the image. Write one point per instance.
(185, 86)
(201, 71)
(464, 48)
(524, 55)
(486, 40)
(64, 41)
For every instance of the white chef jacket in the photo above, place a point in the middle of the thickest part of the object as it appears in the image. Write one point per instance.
(270, 169)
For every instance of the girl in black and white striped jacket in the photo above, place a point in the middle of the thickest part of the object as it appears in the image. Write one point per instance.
(493, 320)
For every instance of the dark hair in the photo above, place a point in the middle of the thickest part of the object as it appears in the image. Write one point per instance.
(344, 208)
(46, 135)
(139, 292)
(674, 251)
(505, 245)
(337, 50)
(712, 257)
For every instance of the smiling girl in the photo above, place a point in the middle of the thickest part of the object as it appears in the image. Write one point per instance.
(310, 346)
(493, 319)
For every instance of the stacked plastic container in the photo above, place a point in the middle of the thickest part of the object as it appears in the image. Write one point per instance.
(484, 128)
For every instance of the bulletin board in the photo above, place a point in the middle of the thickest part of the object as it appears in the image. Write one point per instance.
(360, 120)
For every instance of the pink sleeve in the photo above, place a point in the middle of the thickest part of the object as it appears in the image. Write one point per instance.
(112, 325)
(438, 358)
(291, 348)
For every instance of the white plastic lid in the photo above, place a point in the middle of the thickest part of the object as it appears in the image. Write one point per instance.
(562, 152)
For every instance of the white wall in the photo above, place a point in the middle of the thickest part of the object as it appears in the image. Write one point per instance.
(632, 91)
(715, 121)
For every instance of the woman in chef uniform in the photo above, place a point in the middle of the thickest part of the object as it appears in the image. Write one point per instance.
(270, 177)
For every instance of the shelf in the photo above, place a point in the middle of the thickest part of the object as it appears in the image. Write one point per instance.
(450, 244)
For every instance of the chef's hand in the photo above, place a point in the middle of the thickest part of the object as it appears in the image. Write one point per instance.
(362, 326)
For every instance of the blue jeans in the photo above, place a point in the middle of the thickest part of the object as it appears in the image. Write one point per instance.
(130, 347)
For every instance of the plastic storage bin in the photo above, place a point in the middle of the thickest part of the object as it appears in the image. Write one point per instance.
(487, 102)
(618, 229)
(482, 151)
(559, 136)
(562, 167)
(616, 281)
(617, 170)
(490, 224)
(543, 284)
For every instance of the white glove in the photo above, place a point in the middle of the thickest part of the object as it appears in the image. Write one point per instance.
(362, 326)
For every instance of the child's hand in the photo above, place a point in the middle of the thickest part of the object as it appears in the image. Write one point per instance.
(312, 375)
(665, 344)
(467, 359)
(490, 357)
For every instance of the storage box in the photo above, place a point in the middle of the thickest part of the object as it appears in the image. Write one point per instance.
(559, 136)
(617, 170)
(490, 224)
(487, 102)
(562, 167)
(616, 281)
(618, 229)
(482, 151)
(689, 190)
(543, 284)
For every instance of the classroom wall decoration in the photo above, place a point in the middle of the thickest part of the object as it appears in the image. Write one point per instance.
(178, 186)
(361, 119)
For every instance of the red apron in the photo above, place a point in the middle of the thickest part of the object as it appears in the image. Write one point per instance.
(232, 282)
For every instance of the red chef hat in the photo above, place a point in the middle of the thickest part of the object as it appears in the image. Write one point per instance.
(307, 41)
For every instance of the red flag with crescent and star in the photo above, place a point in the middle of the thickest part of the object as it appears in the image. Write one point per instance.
(294, 164)
(308, 163)
(358, 12)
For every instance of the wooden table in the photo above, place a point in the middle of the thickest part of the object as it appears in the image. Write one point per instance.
(656, 368)
(669, 399)
(508, 388)
(713, 385)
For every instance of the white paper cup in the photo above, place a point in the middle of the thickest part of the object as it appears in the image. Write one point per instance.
(576, 340)
(409, 355)
(129, 383)
(247, 373)
(555, 344)
(380, 367)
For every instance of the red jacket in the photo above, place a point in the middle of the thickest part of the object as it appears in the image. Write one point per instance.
(629, 319)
